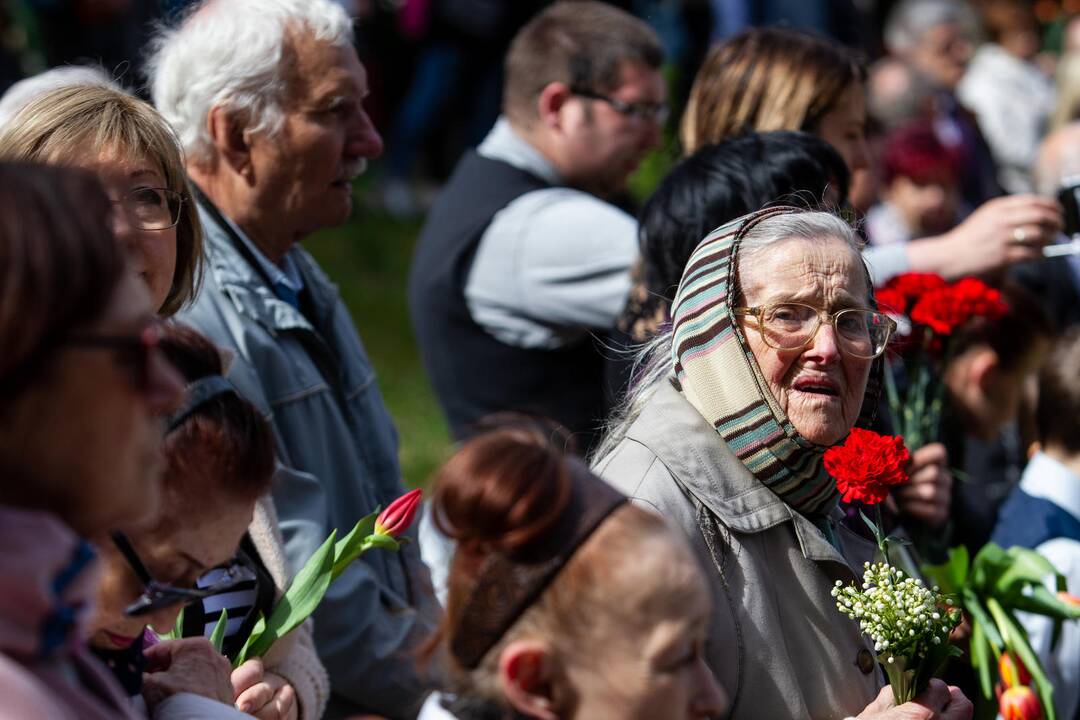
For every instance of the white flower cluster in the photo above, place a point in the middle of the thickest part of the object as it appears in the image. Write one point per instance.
(899, 614)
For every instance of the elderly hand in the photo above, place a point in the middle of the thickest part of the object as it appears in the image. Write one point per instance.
(186, 665)
(265, 695)
(927, 496)
(1000, 232)
(938, 702)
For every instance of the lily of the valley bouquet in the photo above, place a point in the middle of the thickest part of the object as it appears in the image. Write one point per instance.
(908, 622)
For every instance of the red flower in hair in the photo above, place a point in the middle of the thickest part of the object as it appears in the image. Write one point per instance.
(867, 465)
(903, 291)
(947, 308)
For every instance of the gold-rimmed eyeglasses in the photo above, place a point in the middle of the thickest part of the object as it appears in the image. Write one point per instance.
(152, 208)
(860, 332)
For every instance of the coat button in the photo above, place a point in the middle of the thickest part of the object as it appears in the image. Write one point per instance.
(865, 661)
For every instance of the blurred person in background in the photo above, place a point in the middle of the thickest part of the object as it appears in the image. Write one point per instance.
(1067, 92)
(771, 79)
(566, 602)
(990, 369)
(219, 459)
(1043, 514)
(267, 99)
(85, 384)
(523, 258)
(1055, 282)
(1011, 96)
(920, 193)
(137, 157)
(936, 38)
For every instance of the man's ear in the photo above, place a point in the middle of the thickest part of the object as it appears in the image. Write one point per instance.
(527, 679)
(550, 102)
(231, 141)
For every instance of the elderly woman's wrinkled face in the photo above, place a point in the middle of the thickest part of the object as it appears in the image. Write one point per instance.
(819, 387)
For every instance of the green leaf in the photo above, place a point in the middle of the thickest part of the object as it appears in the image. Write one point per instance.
(217, 637)
(1026, 567)
(980, 658)
(1017, 641)
(951, 575)
(978, 613)
(178, 628)
(304, 594)
(1043, 602)
(256, 633)
(351, 546)
(384, 542)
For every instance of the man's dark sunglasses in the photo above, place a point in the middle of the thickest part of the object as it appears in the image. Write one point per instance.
(157, 595)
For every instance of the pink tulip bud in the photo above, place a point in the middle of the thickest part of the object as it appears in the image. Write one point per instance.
(1012, 670)
(1019, 703)
(398, 516)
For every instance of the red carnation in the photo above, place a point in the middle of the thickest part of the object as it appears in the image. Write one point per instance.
(899, 294)
(867, 465)
(947, 308)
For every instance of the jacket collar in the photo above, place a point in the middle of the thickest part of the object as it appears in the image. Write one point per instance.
(50, 576)
(705, 466)
(246, 286)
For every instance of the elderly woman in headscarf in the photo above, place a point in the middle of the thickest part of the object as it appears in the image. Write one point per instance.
(775, 339)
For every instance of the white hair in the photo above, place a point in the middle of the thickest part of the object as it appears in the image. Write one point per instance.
(911, 19)
(229, 54)
(654, 362)
(23, 92)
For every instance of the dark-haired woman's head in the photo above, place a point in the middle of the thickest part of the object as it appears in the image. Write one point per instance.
(618, 632)
(83, 380)
(993, 360)
(219, 459)
(767, 79)
(715, 185)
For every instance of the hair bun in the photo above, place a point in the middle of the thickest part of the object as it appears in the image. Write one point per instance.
(504, 489)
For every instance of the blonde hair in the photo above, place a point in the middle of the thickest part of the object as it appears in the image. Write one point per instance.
(72, 121)
(766, 79)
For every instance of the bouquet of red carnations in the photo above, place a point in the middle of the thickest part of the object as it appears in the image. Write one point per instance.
(928, 311)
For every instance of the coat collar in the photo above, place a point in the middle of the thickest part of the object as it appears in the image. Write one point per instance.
(247, 287)
(705, 466)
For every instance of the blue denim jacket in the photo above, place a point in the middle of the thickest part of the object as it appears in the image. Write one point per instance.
(337, 448)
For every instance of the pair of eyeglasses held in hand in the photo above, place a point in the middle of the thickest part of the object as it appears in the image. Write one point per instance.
(157, 595)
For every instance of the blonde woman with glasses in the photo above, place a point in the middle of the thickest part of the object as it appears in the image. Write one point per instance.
(137, 157)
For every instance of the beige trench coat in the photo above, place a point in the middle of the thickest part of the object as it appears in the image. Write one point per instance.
(777, 644)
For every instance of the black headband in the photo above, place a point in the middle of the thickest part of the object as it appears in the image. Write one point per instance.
(199, 393)
(507, 586)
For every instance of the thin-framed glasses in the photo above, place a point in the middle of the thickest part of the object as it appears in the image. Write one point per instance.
(650, 111)
(152, 208)
(133, 353)
(157, 595)
(859, 332)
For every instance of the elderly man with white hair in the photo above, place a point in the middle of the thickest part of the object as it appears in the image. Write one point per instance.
(267, 98)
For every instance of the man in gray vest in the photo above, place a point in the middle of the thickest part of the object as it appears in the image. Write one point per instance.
(523, 260)
(267, 98)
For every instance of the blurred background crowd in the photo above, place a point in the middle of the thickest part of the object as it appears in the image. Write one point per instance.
(507, 200)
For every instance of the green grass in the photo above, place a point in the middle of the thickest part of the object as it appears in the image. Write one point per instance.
(368, 258)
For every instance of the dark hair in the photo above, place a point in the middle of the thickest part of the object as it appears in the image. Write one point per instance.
(225, 445)
(767, 79)
(719, 183)
(1010, 336)
(915, 152)
(583, 44)
(1057, 411)
(59, 264)
(1003, 16)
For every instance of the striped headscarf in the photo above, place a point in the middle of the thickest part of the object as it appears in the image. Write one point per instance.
(718, 374)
